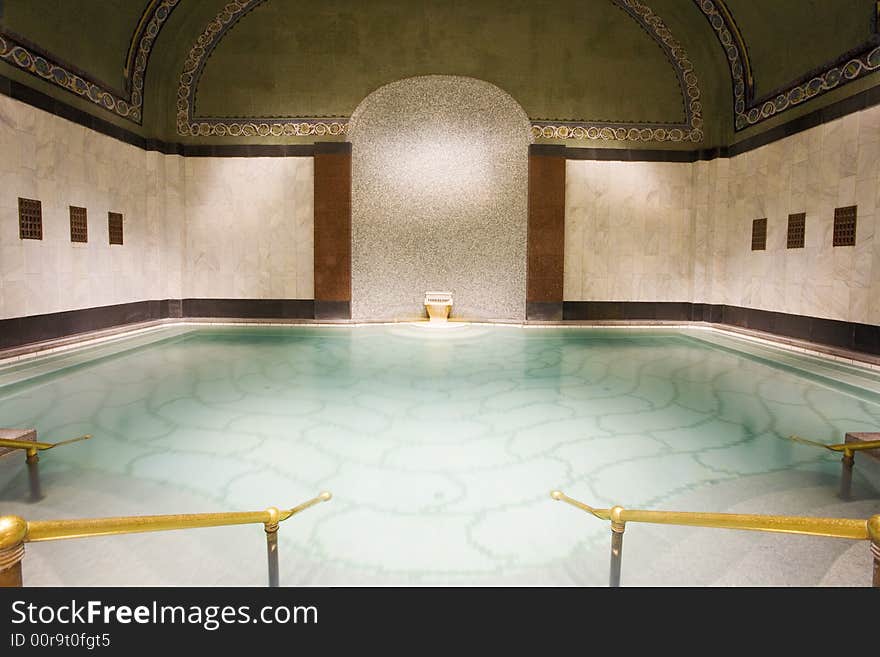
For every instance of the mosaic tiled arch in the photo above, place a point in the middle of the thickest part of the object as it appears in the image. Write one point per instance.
(748, 110)
(191, 125)
(127, 104)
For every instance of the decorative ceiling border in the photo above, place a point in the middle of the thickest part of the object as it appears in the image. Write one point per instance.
(691, 130)
(191, 125)
(748, 110)
(29, 57)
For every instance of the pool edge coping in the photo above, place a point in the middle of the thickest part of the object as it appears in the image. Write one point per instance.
(94, 338)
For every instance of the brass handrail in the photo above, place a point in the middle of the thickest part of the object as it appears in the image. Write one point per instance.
(828, 527)
(846, 448)
(15, 531)
(847, 462)
(34, 446)
(31, 450)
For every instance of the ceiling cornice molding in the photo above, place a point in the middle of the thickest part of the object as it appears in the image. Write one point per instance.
(127, 104)
(748, 110)
(189, 124)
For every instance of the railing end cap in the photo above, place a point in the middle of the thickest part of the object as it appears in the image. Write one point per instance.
(13, 530)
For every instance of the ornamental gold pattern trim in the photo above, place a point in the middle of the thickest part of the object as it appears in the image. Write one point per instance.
(128, 104)
(190, 125)
(748, 111)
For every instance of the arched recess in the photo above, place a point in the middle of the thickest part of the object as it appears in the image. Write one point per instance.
(439, 199)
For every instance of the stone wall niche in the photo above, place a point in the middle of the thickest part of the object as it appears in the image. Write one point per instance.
(439, 199)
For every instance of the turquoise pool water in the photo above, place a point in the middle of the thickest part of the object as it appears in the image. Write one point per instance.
(440, 447)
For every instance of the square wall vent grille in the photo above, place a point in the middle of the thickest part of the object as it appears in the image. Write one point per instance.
(79, 224)
(797, 225)
(114, 222)
(845, 226)
(30, 219)
(759, 234)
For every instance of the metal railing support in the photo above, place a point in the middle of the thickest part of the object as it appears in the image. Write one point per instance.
(846, 474)
(617, 529)
(32, 459)
(32, 449)
(874, 532)
(271, 529)
(847, 462)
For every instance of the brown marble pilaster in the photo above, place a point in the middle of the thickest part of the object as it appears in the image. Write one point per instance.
(333, 230)
(546, 232)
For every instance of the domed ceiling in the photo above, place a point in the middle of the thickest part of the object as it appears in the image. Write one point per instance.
(634, 73)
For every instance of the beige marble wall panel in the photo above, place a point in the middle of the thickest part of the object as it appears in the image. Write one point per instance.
(248, 228)
(829, 166)
(630, 231)
(61, 164)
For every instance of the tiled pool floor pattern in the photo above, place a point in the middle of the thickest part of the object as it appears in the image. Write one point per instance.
(440, 448)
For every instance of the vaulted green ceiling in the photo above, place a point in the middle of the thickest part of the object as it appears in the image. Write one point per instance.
(555, 67)
(788, 38)
(600, 64)
(92, 35)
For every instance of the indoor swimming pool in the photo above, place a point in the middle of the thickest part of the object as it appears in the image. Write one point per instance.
(440, 447)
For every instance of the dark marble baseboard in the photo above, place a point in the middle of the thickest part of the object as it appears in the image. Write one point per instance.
(631, 310)
(249, 308)
(544, 311)
(851, 336)
(864, 338)
(20, 331)
(332, 309)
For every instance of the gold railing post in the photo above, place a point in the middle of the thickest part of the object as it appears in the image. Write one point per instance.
(271, 527)
(32, 458)
(874, 534)
(849, 450)
(617, 529)
(32, 450)
(13, 531)
(846, 474)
